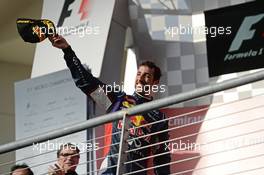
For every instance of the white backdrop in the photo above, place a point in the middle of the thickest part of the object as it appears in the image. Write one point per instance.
(89, 44)
(43, 104)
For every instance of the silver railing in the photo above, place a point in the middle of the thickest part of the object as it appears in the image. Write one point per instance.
(122, 162)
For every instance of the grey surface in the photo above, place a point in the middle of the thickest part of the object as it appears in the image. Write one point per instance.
(182, 73)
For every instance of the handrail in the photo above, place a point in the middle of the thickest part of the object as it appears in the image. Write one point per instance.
(203, 91)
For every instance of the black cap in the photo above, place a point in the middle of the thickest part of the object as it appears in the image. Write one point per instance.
(34, 31)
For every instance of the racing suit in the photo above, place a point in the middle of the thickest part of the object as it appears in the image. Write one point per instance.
(115, 101)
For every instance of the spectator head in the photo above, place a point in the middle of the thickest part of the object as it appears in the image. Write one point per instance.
(21, 169)
(68, 156)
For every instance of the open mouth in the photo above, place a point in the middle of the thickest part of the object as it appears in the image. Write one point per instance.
(140, 83)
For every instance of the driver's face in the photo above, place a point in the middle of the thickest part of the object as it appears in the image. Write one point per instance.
(145, 80)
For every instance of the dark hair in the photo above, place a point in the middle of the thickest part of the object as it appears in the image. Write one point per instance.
(21, 166)
(69, 145)
(157, 72)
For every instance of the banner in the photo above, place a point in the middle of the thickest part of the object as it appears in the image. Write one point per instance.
(239, 41)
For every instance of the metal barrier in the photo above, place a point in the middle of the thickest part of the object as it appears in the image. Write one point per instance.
(122, 162)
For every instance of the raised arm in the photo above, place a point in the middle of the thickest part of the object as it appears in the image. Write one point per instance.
(83, 79)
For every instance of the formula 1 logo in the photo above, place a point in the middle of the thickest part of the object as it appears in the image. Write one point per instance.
(245, 32)
(66, 12)
(243, 50)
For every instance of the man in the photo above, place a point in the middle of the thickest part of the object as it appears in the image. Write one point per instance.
(148, 75)
(22, 169)
(68, 159)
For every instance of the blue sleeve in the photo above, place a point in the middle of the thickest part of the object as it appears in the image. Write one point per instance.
(84, 80)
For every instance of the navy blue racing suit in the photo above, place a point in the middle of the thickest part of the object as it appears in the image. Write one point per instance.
(115, 101)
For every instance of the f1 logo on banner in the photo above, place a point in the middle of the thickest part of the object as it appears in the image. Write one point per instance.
(245, 31)
(243, 49)
(66, 12)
